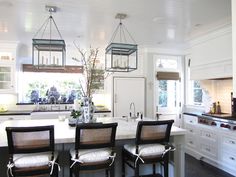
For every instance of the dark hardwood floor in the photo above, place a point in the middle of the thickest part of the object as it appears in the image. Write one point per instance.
(196, 168)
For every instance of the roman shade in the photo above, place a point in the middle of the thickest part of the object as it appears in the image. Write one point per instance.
(168, 76)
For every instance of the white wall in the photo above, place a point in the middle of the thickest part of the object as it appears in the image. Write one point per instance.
(219, 90)
(233, 7)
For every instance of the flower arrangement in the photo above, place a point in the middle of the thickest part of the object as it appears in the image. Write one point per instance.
(91, 72)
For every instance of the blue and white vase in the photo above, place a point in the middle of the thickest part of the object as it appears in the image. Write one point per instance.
(88, 109)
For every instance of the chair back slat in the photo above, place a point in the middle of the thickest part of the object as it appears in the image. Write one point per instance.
(149, 132)
(95, 135)
(30, 139)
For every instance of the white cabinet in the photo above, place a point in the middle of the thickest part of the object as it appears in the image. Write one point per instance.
(14, 117)
(191, 138)
(7, 80)
(228, 151)
(7, 66)
(200, 140)
(50, 115)
(103, 114)
(211, 55)
(208, 143)
(128, 90)
(214, 145)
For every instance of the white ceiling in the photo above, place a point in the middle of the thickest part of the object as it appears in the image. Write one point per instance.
(91, 22)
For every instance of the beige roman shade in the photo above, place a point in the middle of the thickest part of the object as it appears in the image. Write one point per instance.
(168, 76)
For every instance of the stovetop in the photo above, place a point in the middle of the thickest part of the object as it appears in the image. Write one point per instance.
(226, 121)
(222, 115)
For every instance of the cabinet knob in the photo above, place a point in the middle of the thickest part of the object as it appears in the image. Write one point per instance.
(232, 142)
(232, 158)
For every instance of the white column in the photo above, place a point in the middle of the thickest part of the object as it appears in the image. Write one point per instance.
(233, 6)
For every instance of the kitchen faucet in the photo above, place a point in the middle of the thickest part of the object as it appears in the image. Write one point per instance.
(130, 107)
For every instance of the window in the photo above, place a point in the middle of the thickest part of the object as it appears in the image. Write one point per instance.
(41, 87)
(167, 93)
(197, 93)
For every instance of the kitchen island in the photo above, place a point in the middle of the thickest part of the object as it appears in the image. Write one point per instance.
(65, 137)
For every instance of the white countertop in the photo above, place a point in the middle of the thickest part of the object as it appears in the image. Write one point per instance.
(66, 134)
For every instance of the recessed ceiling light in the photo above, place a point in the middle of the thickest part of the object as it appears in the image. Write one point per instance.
(155, 19)
(171, 33)
(197, 25)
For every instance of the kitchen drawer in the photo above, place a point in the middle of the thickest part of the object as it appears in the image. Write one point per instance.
(14, 117)
(191, 129)
(229, 141)
(209, 150)
(191, 142)
(229, 158)
(190, 119)
(208, 134)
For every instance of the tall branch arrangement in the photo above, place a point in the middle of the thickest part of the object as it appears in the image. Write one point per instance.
(88, 60)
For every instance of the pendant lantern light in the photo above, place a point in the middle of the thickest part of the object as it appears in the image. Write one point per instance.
(48, 52)
(121, 56)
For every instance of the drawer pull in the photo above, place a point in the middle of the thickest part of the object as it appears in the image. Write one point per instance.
(232, 158)
(191, 131)
(191, 121)
(208, 149)
(190, 142)
(232, 142)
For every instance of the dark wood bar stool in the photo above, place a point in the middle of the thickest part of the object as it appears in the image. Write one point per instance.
(151, 146)
(94, 148)
(31, 151)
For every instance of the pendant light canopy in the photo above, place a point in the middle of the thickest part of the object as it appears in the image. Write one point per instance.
(121, 56)
(46, 51)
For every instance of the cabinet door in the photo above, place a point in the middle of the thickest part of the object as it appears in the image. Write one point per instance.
(6, 78)
(14, 117)
(127, 91)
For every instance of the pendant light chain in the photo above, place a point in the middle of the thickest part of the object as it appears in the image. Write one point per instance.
(129, 34)
(45, 25)
(122, 30)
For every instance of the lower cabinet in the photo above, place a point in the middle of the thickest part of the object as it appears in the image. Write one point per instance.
(14, 117)
(105, 114)
(216, 146)
(191, 140)
(227, 152)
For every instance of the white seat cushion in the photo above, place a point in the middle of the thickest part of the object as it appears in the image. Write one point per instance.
(92, 155)
(146, 149)
(32, 159)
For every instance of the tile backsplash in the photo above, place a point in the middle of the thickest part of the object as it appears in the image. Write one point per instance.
(219, 90)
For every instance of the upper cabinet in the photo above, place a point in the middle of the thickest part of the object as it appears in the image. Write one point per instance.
(7, 66)
(211, 55)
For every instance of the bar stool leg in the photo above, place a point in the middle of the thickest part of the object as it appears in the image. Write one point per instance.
(154, 168)
(166, 169)
(123, 163)
(106, 172)
(112, 171)
(137, 170)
